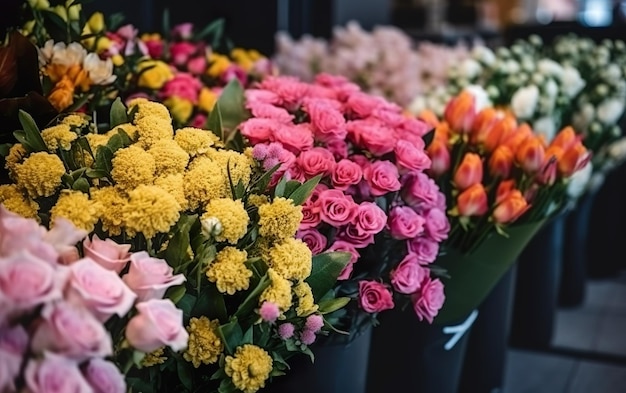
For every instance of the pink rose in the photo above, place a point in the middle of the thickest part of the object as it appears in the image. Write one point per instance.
(55, 374)
(295, 138)
(107, 253)
(259, 130)
(374, 297)
(370, 218)
(420, 191)
(150, 277)
(316, 161)
(388, 116)
(260, 96)
(18, 233)
(183, 31)
(183, 85)
(13, 346)
(311, 217)
(363, 104)
(155, 48)
(412, 128)
(328, 123)
(72, 331)
(289, 89)
(346, 174)
(104, 377)
(269, 111)
(410, 158)
(181, 52)
(405, 223)
(408, 276)
(235, 72)
(100, 290)
(437, 224)
(199, 121)
(158, 323)
(429, 300)
(336, 208)
(338, 147)
(197, 65)
(382, 178)
(27, 281)
(353, 234)
(313, 239)
(425, 249)
(373, 136)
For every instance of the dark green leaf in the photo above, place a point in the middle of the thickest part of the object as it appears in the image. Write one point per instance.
(240, 190)
(428, 138)
(248, 337)
(332, 305)
(139, 385)
(78, 173)
(211, 303)
(67, 179)
(81, 184)
(126, 141)
(84, 144)
(96, 173)
(176, 252)
(279, 191)
(227, 386)
(166, 21)
(33, 135)
(115, 143)
(185, 374)
(21, 138)
(232, 107)
(247, 307)
(4, 149)
(115, 20)
(308, 351)
(103, 159)
(175, 294)
(290, 187)
(214, 123)
(187, 303)
(118, 113)
(82, 100)
(326, 268)
(214, 30)
(303, 192)
(263, 181)
(232, 335)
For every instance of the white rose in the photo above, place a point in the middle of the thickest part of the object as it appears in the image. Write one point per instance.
(571, 81)
(551, 88)
(484, 55)
(46, 52)
(100, 71)
(613, 74)
(545, 126)
(481, 96)
(470, 69)
(579, 181)
(512, 67)
(610, 110)
(524, 101)
(549, 67)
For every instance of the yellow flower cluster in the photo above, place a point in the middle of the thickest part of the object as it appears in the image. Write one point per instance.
(239, 166)
(292, 259)
(205, 344)
(132, 167)
(204, 182)
(306, 302)
(15, 201)
(169, 157)
(174, 185)
(153, 74)
(245, 58)
(153, 358)
(77, 208)
(111, 202)
(280, 219)
(151, 129)
(58, 137)
(40, 174)
(150, 210)
(229, 271)
(278, 292)
(17, 152)
(233, 217)
(74, 120)
(194, 140)
(249, 368)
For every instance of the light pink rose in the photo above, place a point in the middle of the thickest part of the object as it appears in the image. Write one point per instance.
(269, 111)
(290, 90)
(63, 236)
(183, 85)
(420, 191)
(98, 289)
(104, 377)
(55, 374)
(411, 128)
(346, 174)
(258, 130)
(107, 253)
(338, 147)
(197, 65)
(382, 178)
(425, 249)
(353, 234)
(27, 281)
(158, 323)
(181, 52)
(258, 96)
(437, 225)
(408, 276)
(295, 138)
(183, 31)
(71, 331)
(313, 239)
(405, 223)
(370, 218)
(316, 161)
(328, 123)
(311, 217)
(374, 297)
(18, 233)
(150, 277)
(373, 136)
(429, 300)
(363, 104)
(410, 158)
(336, 208)
(13, 346)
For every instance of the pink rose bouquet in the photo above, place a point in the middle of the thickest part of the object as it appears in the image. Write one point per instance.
(366, 151)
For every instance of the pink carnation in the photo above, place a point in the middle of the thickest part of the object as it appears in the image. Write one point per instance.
(290, 90)
(269, 111)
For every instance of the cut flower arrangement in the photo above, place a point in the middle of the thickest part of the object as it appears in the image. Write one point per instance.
(374, 199)
(195, 224)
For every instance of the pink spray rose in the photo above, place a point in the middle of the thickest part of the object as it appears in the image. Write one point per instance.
(354, 235)
(107, 253)
(425, 249)
(158, 323)
(411, 158)
(100, 290)
(316, 161)
(183, 85)
(408, 276)
(420, 191)
(13, 346)
(363, 104)
(150, 277)
(311, 217)
(196, 65)
(377, 138)
(405, 223)
(269, 111)
(181, 52)
(370, 218)
(336, 208)
(374, 296)
(55, 374)
(429, 300)
(382, 178)
(437, 224)
(313, 239)
(346, 174)
(104, 377)
(338, 147)
(259, 130)
(295, 138)
(72, 331)
(328, 123)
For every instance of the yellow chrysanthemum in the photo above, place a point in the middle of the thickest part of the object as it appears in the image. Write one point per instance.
(17, 152)
(278, 292)
(152, 129)
(153, 74)
(59, 136)
(195, 141)
(76, 207)
(170, 158)
(258, 200)
(147, 108)
(280, 219)
(229, 271)
(15, 200)
(239, 165)
(249, 368)
(150, 210)
(128, 128)
(111, 201)
(292, 259)
(74, 120)
(204, 182)
(233, 217)
(96, 140)
(205, 345)
(174, 185)
(132, 166)
(306, 302)
(40, 174)
(153, 358)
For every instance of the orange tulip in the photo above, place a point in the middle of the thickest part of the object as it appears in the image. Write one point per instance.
(469, 172)
(460, 112)
(79, 77)
(428, 117)
(439, 156)
(501, 162)
(500, 131)
(565, 139)
(473, 201)
(483, 122)
(62, 96)
(511, 208)
(574, 159)
(547, 174)
(519, 136)
(504, 188)
(530, 155)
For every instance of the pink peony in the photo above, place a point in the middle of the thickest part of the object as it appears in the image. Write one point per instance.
(408, 276)
(411, 158)
(405, 223)
(55, 374)
(437, 225)
(313, 239)
(107, 253)
(382, 178)
(370, 218)
(346, 174)
(425, 249)
(158, 323)
(104, 377)
(183, 85)
(316, 161)
(336, 208)
(374, 297)
(428, 301)
(150, 277)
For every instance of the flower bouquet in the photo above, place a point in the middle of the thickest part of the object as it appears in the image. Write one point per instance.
(204, 232)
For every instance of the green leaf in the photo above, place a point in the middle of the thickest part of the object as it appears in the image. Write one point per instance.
(138, 357)
(187, 304)
(248, 337)
(279, 191)
(21, 138)
(95, 173)
(211, 303)
(214, 123)
(263, 181)
(166, 21)
(227, 386)
(300, 195)
(67, 179)
(81, 184)
(82, 100)
(115, 143)
(232, 106)
(232, 335)
(115, 20)
(175, 294)
(332, 305)
(290, 187)
(118, 113)
(428, 138)
(247, 307)
(126, 141)
(215, 29)
(4, 149)
(326, 268)
(179, 243)
(103, 159)
(33, 135)
(139, 385)
(185, 373)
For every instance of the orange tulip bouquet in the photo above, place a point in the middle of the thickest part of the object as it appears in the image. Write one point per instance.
(502, 182)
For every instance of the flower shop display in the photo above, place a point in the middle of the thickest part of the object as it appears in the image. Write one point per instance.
(196, 225)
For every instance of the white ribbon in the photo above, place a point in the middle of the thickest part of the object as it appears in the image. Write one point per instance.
(459, 330)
